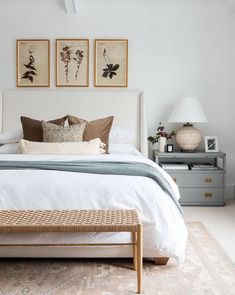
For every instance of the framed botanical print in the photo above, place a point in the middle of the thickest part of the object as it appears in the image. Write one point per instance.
(111, 63)
(72, 62)
(33, 63)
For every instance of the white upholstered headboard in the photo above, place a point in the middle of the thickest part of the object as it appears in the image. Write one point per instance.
(127, 107)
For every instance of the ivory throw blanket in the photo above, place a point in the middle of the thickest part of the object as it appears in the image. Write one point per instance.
(98, 167)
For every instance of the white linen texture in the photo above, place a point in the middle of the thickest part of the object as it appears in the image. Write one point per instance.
(92, 147)
(164, 229)
(121, 135)
(128, 149)
(11, 136)
(10, 148)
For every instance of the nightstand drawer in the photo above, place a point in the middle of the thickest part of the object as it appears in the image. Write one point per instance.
(202, 196)
(192, 179)
(202, 185)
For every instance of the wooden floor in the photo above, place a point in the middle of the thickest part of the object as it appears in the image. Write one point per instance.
(220, 221)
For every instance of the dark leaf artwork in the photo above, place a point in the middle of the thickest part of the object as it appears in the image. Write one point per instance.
(30, 67)
(110, 69)
(65, 55)
(79, 56)
(31, 70)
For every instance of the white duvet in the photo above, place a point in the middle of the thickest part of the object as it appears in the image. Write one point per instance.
(164, 230)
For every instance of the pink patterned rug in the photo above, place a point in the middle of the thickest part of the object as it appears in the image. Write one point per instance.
(206, 271)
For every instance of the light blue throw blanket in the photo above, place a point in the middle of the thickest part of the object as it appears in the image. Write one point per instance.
(96, 167)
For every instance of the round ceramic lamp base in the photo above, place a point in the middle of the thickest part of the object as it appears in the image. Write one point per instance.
(188, 138)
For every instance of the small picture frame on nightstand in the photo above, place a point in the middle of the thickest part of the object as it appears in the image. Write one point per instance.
(169, 148)
(211, 144)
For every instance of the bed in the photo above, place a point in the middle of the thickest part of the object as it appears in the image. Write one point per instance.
(165, 233)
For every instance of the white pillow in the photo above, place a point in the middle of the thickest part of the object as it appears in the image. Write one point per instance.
(10, 148)
(122, 135)
(92, 147)
(127, 149)
(11, 136)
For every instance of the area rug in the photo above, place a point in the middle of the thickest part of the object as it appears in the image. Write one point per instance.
(206, 271)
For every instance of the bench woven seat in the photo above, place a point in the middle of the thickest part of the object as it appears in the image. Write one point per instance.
(69, 220)
(28, 221)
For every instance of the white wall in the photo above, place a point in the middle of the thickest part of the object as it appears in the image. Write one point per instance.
(174, 50)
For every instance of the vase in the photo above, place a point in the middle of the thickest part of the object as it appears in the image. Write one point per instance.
(162, 144)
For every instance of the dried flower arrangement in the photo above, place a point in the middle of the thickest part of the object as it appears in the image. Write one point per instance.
(161, 133)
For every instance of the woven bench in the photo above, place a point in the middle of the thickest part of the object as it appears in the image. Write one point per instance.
(28, 221)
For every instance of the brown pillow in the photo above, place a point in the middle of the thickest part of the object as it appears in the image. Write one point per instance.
(32, 128)
(98, 128)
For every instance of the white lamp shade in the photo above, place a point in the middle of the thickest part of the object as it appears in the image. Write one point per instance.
(187, 109)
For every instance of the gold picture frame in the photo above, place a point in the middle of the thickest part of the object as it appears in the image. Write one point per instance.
(72, 62)
(33, 63)
(111, 63)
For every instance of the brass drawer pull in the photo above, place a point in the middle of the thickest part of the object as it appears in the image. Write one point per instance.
(208, 179)
(208, 195)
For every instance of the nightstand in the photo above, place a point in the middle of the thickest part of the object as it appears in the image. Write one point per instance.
(200, 176)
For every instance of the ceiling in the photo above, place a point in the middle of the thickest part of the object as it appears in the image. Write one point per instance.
(116, 1)
(72, 6)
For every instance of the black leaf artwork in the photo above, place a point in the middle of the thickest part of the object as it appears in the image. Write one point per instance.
(29, 74)
(65, 55)
(111, 69)
(79, 56)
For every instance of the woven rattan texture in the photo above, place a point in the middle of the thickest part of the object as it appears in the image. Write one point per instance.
(68, 220)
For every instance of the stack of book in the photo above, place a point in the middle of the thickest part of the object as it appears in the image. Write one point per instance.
(204, 166)
(175, 166)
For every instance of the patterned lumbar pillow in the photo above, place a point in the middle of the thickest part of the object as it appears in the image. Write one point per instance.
(55, 133)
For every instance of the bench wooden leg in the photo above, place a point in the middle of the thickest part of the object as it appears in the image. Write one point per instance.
(139, 258)
(161, 260)
(134, 241)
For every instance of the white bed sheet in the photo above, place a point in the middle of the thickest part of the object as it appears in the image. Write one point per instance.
(164, 229)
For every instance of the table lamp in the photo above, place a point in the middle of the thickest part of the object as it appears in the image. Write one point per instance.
(188, 110)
